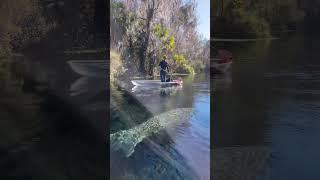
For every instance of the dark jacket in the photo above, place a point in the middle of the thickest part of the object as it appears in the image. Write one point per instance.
(163, 64)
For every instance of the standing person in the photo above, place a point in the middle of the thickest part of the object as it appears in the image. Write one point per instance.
(163, 68)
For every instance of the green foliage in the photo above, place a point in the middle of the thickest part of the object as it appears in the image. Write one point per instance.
(33, 29)
(185, 69)
(147, 38)
(116, 66)
(284, 12)
(258, 26)
(4, 49)
(238, 3)
(245, 21)
(189, 69)
(182, 64)
(21, 23)
(160, 31)
(179, 59)
(198, 67)
(257, 18)
(170, 45)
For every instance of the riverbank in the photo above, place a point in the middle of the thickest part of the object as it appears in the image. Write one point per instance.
(243, 40)
(119, 72)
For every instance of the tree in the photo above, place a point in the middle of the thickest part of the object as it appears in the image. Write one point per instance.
(150, 29)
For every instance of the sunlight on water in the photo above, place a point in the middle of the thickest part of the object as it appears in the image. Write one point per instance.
(175, 145)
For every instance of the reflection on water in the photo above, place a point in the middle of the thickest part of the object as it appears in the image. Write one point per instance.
(270, 112)
(86, 86)
(169, 154)
(44, 132)
(151, 91)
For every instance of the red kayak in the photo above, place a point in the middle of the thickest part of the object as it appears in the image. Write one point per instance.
(222, 61)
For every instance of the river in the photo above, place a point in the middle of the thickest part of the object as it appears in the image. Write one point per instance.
(266, 114)
(53, 123)
(267, 111)
(182, 152)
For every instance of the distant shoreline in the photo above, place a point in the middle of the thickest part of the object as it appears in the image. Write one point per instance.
(241, 40)
(176, 74)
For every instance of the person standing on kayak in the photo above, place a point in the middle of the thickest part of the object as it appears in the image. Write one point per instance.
(163, 68)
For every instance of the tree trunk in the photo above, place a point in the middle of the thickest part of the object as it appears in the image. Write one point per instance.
(150, 13)
(222, 7)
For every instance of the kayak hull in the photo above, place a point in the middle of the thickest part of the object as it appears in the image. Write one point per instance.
(220, 68)
(154, 83)
(89, 68)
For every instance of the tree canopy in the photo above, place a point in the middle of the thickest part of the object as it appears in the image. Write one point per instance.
(145, 30)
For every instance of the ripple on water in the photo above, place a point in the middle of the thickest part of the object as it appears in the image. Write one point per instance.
(173, 150)
(293, 136)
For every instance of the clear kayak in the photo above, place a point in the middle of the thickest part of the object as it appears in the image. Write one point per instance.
(89, 68)
(155, 83)
(145, 90)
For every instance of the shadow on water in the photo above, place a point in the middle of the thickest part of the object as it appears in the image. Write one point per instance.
(44, 134)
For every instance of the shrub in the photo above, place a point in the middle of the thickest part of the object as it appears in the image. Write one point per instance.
(248, 23)
(198, 67)
(116, 66)
(258, 26)
(185, 69)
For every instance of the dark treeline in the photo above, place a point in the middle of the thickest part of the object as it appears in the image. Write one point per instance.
(66, 23)
(312, 15)
(260, 18)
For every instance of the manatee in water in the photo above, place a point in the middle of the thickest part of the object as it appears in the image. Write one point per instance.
(126, 140)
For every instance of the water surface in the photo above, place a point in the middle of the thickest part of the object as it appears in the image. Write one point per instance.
(181, 152)
(269, 103)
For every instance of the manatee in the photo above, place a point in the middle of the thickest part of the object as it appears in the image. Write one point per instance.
(125, 141)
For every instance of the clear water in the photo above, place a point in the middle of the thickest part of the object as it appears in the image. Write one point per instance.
(267, 111)
(179, 153)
